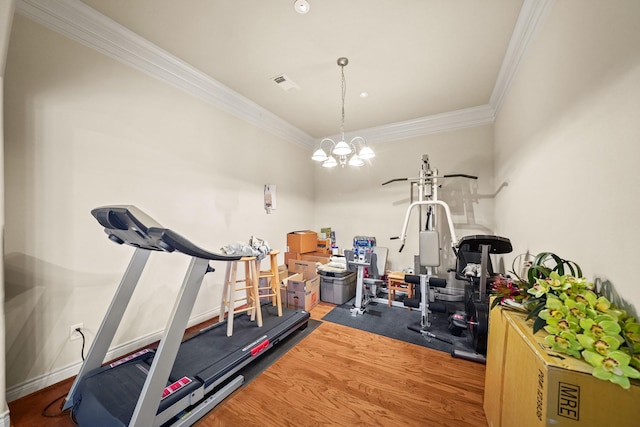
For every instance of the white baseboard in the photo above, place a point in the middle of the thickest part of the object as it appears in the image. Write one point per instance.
(53, 377)
(5, 421)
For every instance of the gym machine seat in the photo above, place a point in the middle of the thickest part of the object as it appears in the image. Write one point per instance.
(176, 383)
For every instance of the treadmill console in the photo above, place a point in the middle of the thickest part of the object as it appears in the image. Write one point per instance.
(129, 225)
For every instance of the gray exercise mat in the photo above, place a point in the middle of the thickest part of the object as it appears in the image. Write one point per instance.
(392, 322)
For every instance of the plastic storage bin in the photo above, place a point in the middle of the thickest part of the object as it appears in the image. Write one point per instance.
(338, 290)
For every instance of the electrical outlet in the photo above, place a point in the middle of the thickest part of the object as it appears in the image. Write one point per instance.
(73, 334)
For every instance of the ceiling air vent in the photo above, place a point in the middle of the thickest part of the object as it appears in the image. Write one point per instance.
(285, 83)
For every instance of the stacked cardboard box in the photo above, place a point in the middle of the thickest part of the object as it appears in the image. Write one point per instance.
(316, 257)
(323, 246)
(307, 245)
(327, 234)
(302, 242)
(298, 243)
(303, 287)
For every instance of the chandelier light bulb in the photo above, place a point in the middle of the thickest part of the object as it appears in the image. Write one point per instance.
(342, 149)
(366, 153)
(356, 161)
(319, 155)
(330, 163)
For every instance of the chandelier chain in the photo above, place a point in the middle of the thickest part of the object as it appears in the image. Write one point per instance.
(344, 93)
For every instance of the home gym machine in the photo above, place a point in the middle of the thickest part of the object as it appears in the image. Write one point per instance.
(472, 255)
(430, 247)
(428, 184)
(176, 383)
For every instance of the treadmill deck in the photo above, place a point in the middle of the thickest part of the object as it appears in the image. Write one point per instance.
(108, 395)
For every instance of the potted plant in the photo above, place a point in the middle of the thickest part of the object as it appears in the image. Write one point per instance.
(578, 321)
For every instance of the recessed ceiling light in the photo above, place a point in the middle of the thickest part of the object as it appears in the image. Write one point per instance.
(301, 6)
(364, 94)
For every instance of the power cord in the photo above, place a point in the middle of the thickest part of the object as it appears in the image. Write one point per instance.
(58, 414)
(82, 351)
(63, 412)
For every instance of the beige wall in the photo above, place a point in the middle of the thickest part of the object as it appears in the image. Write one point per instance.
(354, 202)
(567, 142)
(6, 18)
(83, 131)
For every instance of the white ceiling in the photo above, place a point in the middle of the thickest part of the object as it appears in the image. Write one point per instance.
(417, 59)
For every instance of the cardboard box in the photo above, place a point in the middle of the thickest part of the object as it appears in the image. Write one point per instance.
(538, 387)
(283, 272)
(316, 257)
(297, 284)
(306, 268)
(302, 241)
(285, 286)
(303, 294)
(323, 244)
(288, 256)
(493, 378)
(293, 277)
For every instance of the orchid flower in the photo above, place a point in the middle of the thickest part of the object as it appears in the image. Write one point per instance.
(600, 327)
(614, 367)
(565, 342)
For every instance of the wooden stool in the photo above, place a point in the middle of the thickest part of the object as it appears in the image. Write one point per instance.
(249, 294)
(272, 288)
(395, 282)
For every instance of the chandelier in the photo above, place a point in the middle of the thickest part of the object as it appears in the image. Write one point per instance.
(343, 152)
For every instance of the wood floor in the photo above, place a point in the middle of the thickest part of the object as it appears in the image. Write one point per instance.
(336, 376)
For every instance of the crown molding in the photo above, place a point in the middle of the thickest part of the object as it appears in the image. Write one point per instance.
(528, 24)
(81, 23)
(443, 122)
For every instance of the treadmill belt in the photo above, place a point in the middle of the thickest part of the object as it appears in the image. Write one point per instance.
(210, 348)
(116, 389)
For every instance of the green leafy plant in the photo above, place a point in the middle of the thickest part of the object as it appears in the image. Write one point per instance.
(578, 321)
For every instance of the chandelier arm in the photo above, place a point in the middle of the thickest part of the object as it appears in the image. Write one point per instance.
(333, 144)
(358, 138)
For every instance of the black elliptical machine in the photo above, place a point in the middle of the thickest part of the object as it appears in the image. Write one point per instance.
(474, 266)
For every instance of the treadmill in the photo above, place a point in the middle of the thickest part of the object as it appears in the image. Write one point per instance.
(178, 382)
